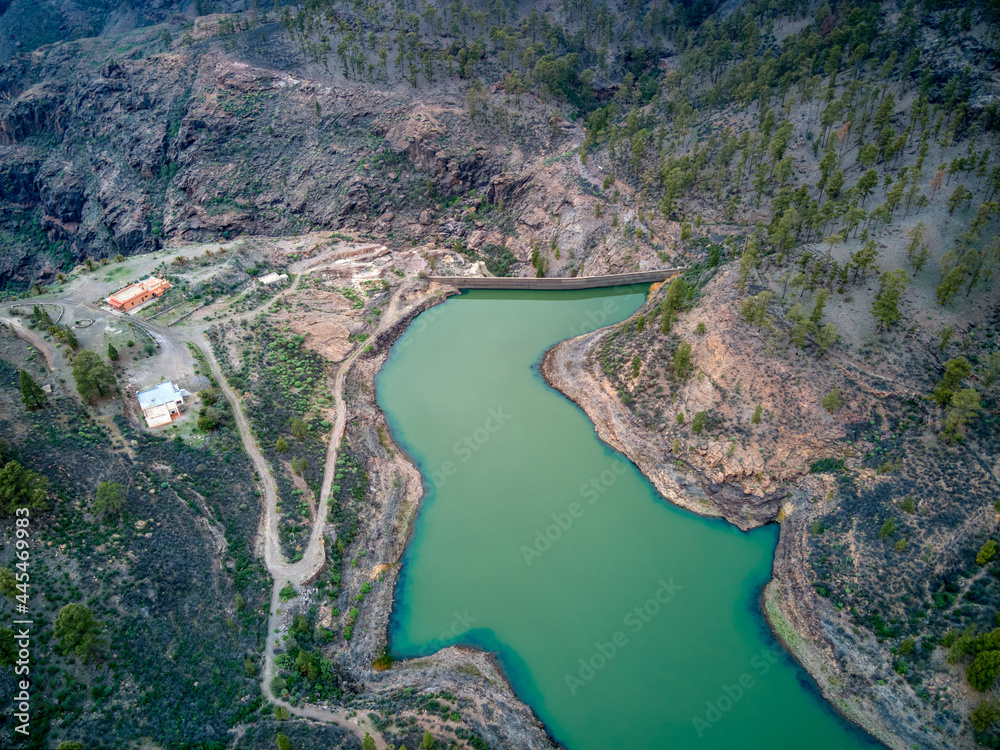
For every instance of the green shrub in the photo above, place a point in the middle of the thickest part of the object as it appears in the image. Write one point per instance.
(986, 552)
(110, 498)
(699, 422)
(960, 648)
(908, 504)
(383, 661)
(983, 671)
(888, 529)
(827, 465)
(985, 715)
(78, 632)
(288, 592)
(682, 361)
(832, 401)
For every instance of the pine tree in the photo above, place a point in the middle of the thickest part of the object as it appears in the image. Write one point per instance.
(682, 361)
(801, 326)
(41, 317)
(951, 284)
(865, 259)
(955, 371)
(886, 305)
(21, 488)
(826, 337)
(32, 396)
(110, 498)
(747, 263)
(93, 377)
(112, 352)
(916, 236)
(920, 259)
(78, 631)
(816, 316)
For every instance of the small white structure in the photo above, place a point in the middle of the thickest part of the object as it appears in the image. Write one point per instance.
(273, 278)
(161, 405)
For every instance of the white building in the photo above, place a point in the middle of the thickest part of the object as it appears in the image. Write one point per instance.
(162, 405)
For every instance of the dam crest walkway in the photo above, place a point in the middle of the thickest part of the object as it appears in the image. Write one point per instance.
(553, 284)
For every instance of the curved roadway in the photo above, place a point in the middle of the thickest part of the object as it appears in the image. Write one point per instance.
(171, 341)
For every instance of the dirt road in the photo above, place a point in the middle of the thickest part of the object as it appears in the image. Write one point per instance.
(314, 557)
(173, 345)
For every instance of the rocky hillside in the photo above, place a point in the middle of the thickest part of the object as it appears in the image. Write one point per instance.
(839, 372)
(826, 170)
(26, 25)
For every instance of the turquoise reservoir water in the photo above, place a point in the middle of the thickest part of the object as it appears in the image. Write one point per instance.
(623, 621)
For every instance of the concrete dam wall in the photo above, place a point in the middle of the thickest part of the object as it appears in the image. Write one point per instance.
(578, 282)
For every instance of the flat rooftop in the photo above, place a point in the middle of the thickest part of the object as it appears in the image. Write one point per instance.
(140, 287)
(164, 393)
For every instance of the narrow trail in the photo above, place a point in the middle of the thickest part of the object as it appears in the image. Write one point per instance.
(314, 557)
(172, 344)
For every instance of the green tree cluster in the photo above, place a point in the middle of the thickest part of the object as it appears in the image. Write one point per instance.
(110, 498)
(94, 378)
(78, 632)
(985, 715)
(983, 670)
(21, 488)
(674, 300)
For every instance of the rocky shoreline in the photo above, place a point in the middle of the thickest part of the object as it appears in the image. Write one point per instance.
(844, 663)
(487, 701)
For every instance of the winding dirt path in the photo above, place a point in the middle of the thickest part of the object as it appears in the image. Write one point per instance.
(314, 557)
(172, 343)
